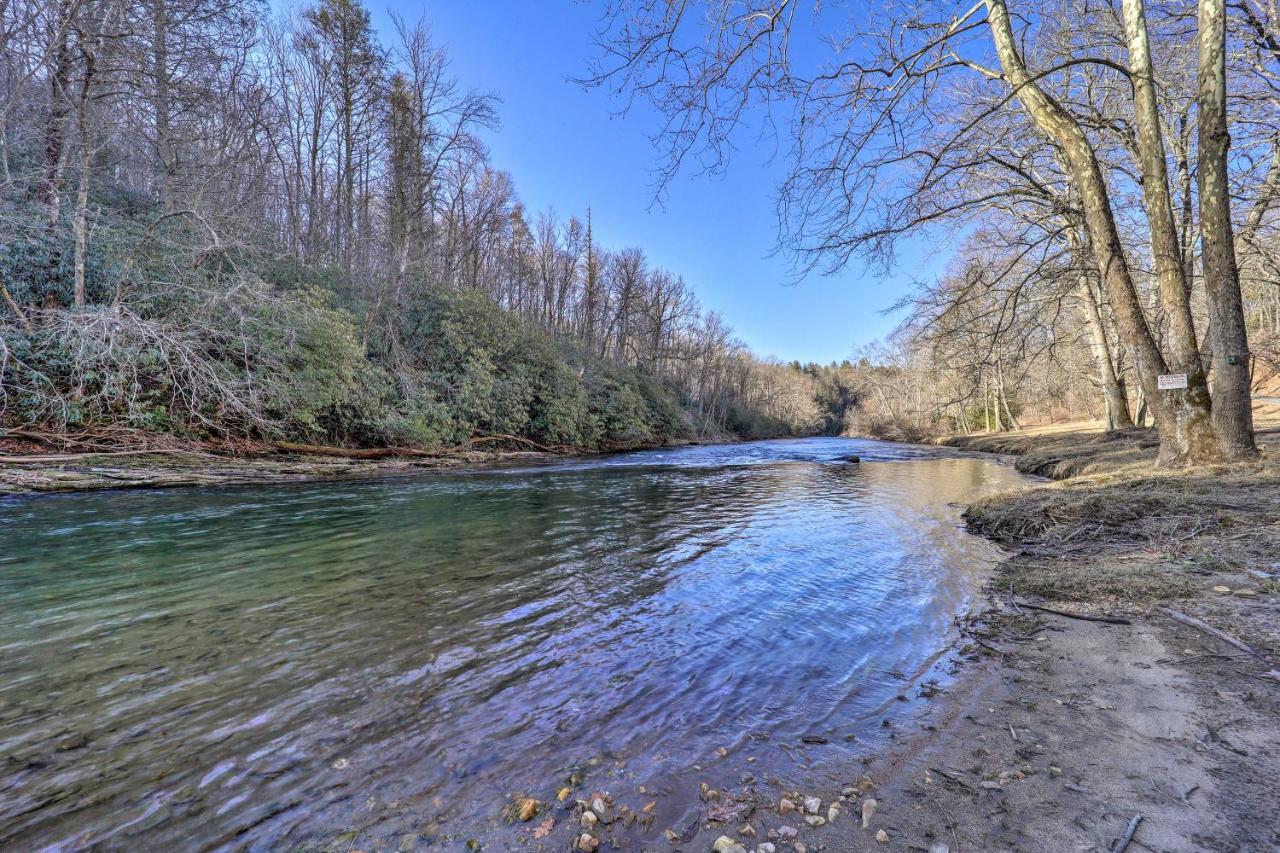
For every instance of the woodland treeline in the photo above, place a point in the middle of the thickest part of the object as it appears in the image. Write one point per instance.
(219, 224)
(1105, 173)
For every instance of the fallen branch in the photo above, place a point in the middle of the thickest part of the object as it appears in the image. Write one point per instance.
(1109, 620)
(74, 457)
(1128, 835)
(484, 439)
(952, 778)
(16, 309)
(1193, 622)
(350, 452)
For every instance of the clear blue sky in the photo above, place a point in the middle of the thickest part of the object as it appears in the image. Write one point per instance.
(567, 149)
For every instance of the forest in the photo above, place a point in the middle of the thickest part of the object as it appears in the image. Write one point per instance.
(221, 225)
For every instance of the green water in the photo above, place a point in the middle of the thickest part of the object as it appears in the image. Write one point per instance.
(270, 668)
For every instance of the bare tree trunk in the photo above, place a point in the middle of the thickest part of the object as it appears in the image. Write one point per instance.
(1232, 403)
(1114, 397)
(1166, 249)
(80, 219)
(56, 124)
(1186, 431)
(161, 102)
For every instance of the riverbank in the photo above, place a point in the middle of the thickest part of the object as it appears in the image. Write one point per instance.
(1059, 733)
(78, 472)
(34, 472)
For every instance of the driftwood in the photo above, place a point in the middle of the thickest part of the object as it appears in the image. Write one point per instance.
(1128, 834)
(74, 457)
(350, 452)
(485, 439)
(393, 452)
(1193, 622)
(1109, 620)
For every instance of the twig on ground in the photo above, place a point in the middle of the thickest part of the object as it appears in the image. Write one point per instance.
(951, 777)
(1109, 620)
(1123, 844)
(1193, 622)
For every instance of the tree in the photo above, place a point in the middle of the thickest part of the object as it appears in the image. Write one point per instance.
(912, 124)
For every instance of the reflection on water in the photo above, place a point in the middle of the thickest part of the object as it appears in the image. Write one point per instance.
(267, 667)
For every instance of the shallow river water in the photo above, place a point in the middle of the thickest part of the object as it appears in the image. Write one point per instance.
(355, 663)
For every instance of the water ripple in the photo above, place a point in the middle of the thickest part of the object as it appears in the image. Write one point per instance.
(253, 667)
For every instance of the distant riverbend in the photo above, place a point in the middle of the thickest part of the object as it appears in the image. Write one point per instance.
(395, 661)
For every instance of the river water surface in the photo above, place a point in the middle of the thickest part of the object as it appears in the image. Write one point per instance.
(355, 663)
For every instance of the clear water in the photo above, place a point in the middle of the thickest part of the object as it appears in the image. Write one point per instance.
(268, 668)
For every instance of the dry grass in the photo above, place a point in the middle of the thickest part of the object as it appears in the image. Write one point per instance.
(1119, 530)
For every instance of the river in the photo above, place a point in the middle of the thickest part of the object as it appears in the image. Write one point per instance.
(350, 663)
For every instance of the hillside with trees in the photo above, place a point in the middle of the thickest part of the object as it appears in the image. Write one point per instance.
(219, 225)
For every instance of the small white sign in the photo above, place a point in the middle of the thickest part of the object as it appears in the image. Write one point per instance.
(1171, 381)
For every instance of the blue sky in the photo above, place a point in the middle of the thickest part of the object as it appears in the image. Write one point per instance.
(567, 149)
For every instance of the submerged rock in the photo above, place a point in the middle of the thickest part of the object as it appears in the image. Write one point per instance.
(868, 811)
(812, 805)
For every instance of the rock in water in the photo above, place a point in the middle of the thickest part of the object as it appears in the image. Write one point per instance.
(868, 809)
(588, 843)
(815, 820)
(833, 813)
(882, 837)
(785, 806)
(812, 804)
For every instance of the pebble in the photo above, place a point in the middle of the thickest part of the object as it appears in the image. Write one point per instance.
(1054, 772)
(939, 847)
(725, 844)
(527, 808)
(815, 821)
(1222, 589)
(748, 830)
(602, 810)
(589, 819)
(588, 843)
(882, 837)
(833, 813)
(564, 794)
(766, 847)
(786, 833)
(868, 809)
(812, 804)
(850, 791)
(785, 806)
(1245, 593)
